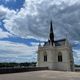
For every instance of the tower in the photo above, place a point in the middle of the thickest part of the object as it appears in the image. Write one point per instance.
(56, 54)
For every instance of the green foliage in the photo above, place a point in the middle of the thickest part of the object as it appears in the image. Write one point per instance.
(26, 64)
(77, 65)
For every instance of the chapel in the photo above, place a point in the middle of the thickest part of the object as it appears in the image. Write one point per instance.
(55, 54)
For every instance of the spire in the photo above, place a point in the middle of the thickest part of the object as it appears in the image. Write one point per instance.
(51, 27)
(51, 35)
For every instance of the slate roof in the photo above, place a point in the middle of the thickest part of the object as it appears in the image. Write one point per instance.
(57, 42)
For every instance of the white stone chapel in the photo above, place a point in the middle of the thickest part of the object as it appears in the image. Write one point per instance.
(56, 54)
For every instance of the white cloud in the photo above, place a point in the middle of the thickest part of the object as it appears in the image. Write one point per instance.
(33, 19)
(4, 34)
(76, 54)
(6, 13)
(20, 48)
(16, 51)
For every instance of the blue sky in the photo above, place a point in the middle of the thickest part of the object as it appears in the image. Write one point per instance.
(11, 41)
(12, 4)
(25, 23)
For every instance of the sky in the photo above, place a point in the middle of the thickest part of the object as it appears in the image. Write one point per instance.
(25, 23)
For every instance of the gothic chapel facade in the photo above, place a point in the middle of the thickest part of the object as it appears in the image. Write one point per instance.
(56, 54)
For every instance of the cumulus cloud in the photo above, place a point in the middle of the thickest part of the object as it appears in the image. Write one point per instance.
(12, 52)
(6, 13)
(76, 54)
(4, 34)
(34, 19)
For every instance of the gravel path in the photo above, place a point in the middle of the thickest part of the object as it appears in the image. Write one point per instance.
(42, 75)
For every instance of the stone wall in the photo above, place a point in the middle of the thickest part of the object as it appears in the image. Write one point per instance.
(17, 70)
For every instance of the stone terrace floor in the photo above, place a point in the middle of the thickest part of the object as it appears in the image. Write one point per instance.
(42, 75)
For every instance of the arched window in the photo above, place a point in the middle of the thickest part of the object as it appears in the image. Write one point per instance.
(59, 57)
(45, 56)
